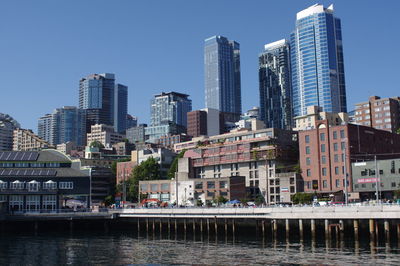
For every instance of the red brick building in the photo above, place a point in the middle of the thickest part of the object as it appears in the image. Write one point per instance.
(124, 170)
(324, 150)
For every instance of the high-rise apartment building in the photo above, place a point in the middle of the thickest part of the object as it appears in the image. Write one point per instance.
(136, 134)
(64, 124)
(222, 75)
(379, 113)
(105, 101)
(275, 88)
(168, 114)
(317, 66)
(104, 134)
(7, 126)
(131, 121)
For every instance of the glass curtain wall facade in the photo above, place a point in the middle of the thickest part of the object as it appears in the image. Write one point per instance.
(275, 87)
(317, 61)
(63, 125)
(96, 94)
(222, 75)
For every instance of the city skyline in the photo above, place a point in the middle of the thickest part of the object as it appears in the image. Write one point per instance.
(53, 83)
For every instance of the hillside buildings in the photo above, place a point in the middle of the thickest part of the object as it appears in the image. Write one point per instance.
(26, 140)
(379, 113)
(104, 134)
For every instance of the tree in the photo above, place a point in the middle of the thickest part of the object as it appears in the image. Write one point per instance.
(302, 198)
(174, 166)
(147, 170)
(398, 131)
(96, 144)
(199, 203)
(220, 200)
(259, 200)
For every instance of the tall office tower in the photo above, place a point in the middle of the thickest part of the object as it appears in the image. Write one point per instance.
(120, 108)
(222, 75)
(7, 126)
(275, 88)
(64, 124)
(317, 61)
(168, 114)
(96, 95)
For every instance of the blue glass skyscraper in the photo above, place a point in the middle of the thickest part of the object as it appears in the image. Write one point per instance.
(222, 75)
(317, 61)
(120, 108)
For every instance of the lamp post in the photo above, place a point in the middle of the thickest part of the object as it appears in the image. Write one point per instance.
(376, 180)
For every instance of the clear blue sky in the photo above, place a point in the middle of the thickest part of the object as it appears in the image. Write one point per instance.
(154, 46)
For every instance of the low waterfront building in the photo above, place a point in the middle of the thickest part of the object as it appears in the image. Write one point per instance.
(370, 176)
(41, 180)
(164, 157)
(169, 141)
(191, 190)
(26, 140)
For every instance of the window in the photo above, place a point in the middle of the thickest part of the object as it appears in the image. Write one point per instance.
(143, 187)
(308, 161)
(50, 185)
(307, 139)
(323, 159)
(198, 185)
(324, 183)
(153, 187)
(255, 174)
(66, 185)
(393, 184)
(223, 184)
(17, 185)
(165, 186)
(308, 172)
(210, 184)
(336, 170)
(324, 171)
(342, 146)
(223, 193)
(322, 147)
(210, 194)
(33, 186)
(336, 158)
(335, 146)
(307, 149)
(49, 202)
(3, 185)
(342, 134)
(337, 183)
(334, 134)
(363, 185)
(322, 136)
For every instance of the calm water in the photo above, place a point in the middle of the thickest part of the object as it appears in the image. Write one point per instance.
(127, 248)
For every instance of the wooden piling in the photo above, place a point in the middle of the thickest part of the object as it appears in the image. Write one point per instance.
(313, 228)
(372, 229)
(387, 230)
(327, 233)
(301, 228)
(287, 228)
(355, 224)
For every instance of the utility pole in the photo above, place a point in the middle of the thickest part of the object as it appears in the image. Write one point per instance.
(376, 180)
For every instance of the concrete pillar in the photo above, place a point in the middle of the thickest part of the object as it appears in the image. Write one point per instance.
(147, 224)
(169, 226)
(176, 226)
(233, 227)
(372, 229)
(201, 226)
(184, 225)
(208, 226)
(215, 226)
(387, 230)
(341, 228)
(154, 225)
(398, 232)
(226, 228)
(313, 228)
(377, 230)
(138, 225)
(274, 226)
(160, 225)
(287, 228)
(327, 233)
(355, 223)
(263, 227)
(194, 226)
(301, 228)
